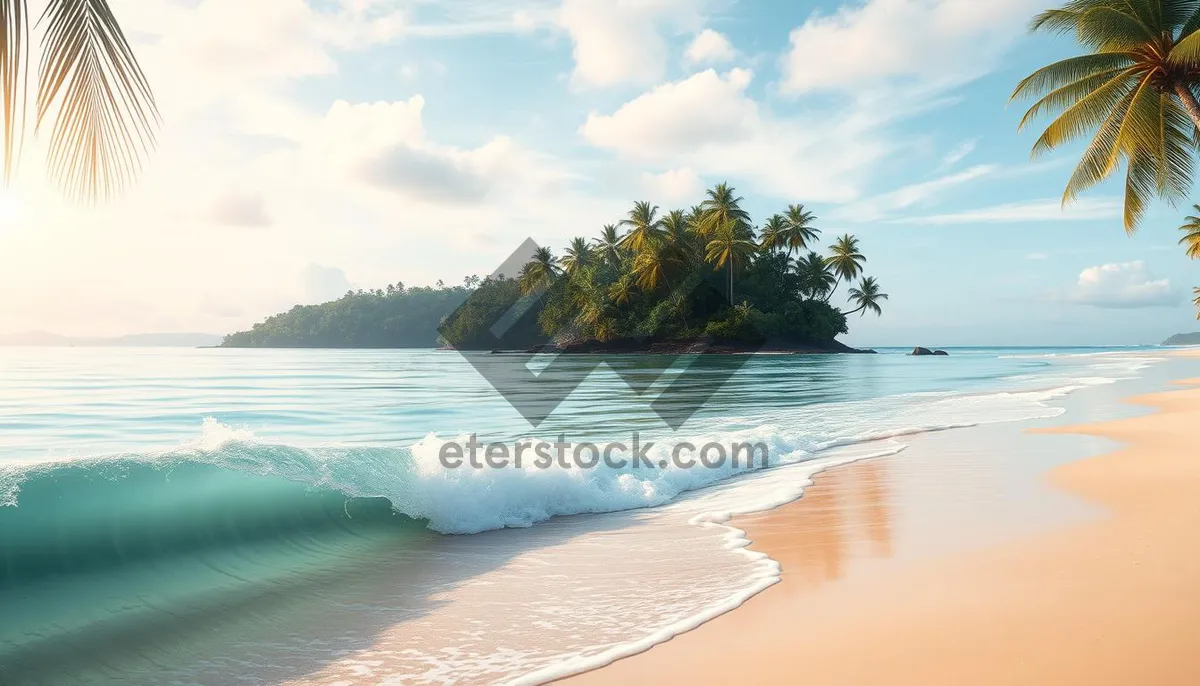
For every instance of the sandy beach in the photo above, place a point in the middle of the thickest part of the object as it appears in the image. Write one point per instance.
(1113, 599)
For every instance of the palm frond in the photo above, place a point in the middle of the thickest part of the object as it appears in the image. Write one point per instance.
(1068, 71)
(1087, 113)
(1139, 189)
(14, 52)
(1191, 23)
(1186, 51)
(105, 113)
(1055, 21)
(1191, 237)
(1124, 26)
(1066, 96)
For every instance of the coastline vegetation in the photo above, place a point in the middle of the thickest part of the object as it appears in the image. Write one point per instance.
(652, 277)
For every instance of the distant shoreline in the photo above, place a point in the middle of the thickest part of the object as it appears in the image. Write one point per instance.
(694, 347)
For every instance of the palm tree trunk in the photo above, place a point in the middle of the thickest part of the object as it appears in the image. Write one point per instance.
(829, 295)
(1188, 99)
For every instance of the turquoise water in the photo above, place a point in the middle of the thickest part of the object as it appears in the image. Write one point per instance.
(245, 516)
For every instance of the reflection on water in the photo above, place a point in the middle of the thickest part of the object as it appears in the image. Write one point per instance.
(846, 517)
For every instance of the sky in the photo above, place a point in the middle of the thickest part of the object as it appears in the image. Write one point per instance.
(311, 147)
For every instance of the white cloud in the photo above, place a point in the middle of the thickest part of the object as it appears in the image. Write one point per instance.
(703, 110)
(708, 122)
(383, 145)
(1037, 256)
(674, 186)
(1030, 211)
(710, 47)
(958, 154)
(918, 193)
(621, 41)
(321, 284)
(942, 41)
(1125, 285)
(219, 50)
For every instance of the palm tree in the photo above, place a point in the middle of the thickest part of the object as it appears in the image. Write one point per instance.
(675, 227)
(644, 225)
(104, 111)
(800, 231)
(816, 278)
(774, 233)
(1134, 88)
(621, 292)
(539, 272)
(867, 297)
(721, 206)
(577, 256)
(1196, 301)
(608, 245)
(1191, 239)
(728, 247)
(845, 260)
(654, 266)
(591, 304)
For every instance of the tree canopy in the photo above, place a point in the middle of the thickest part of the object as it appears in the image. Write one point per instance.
(653, 276)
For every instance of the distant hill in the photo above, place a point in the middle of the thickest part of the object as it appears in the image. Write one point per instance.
(1183, 339)
(398, 317)
(141, 340)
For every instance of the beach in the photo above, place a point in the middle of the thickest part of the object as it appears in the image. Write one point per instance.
(327, 545)
(1105, 598)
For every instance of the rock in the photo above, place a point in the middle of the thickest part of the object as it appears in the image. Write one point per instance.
(926, 352)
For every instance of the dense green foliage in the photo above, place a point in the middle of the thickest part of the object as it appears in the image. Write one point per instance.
(683, 275)
(686, 275)
(397, 317)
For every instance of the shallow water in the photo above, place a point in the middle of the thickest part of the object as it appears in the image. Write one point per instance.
(224, 516)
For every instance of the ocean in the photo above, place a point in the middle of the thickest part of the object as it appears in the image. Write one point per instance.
(217, 516)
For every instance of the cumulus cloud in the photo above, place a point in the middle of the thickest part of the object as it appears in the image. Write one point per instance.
(621, 41)
(384, 145)
(703, 110)
(426, 174)
(922, 40)
(320, 283)
(673, 186)
(240, 208)
(709, 123)
(710, 47)
(1125, 285)
(238, 55)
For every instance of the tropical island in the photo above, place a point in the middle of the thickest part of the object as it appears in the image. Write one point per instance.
(650, 282)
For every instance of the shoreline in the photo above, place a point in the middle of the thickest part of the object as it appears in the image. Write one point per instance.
(1106, 601)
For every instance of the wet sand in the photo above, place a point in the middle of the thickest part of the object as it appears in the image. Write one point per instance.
(1101, 585)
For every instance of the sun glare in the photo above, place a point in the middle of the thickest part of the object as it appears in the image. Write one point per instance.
(10, 209)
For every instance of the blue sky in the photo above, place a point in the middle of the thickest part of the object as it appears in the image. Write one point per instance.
(312, 147)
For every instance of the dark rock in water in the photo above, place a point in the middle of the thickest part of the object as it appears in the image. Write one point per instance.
(926, 352)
